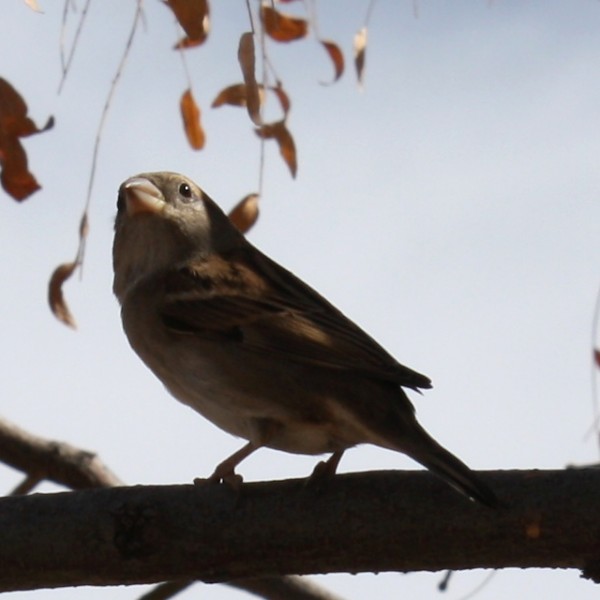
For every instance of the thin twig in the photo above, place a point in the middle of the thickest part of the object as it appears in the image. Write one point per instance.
(111, 92)
(250, 17)
(289, 587)
(61, 38)
(479, 586)
(107, 104)
(369, 11)
(311, 10)
(166, 590)
(186, 69)
(67, 65)
(259, 33)
(55, 461)
(264, 76)
(443, 584)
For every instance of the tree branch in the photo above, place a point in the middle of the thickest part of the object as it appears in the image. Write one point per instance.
(55, 461)
(385, 521)
(289, 587)
(61, 463)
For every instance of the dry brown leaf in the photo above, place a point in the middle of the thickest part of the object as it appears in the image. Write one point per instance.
(245, 213)
(16, 179)
(58, 306)
(360, 48)
(284, 99)
(193, 16)
(186, 42)
(14, 124)
(279, 132)
(337, 57)
(191, 121)
(247, 62)
(235, 95)
(282, 28)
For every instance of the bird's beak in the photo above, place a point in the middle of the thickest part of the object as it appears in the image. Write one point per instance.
(142, 196)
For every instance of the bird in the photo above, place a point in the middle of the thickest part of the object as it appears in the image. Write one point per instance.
(251, 347)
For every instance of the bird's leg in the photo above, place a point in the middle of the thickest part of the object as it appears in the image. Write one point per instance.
(225, 471)
(327, 468)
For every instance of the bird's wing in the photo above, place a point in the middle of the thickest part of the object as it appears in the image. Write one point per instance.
(251, 300)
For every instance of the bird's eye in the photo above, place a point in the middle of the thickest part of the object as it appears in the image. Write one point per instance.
(120, 202)
(185, 191)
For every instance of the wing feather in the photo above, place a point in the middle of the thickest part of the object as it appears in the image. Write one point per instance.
(249, 299)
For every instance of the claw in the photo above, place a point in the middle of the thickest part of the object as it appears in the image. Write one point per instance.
(326, 468)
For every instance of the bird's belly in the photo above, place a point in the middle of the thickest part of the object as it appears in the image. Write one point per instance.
(246, 394)
(282, 421)
(281, 404)
(304, 409)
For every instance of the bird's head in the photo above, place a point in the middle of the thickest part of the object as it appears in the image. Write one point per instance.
(164, 219)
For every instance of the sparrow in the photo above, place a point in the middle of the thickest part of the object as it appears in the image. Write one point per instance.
(250, 346)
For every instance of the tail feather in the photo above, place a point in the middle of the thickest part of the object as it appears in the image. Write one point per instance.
(451, 469)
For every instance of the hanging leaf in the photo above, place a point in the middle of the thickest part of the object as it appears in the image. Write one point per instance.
(337, 58)
(14, 124)
(280, 27)
(284, 99)
(193, 16)
(191, 121)
(58, 306)
(186, 42)
(279, 132)
(247, 62)
(360, 47)
(245, 213)
(235, 95)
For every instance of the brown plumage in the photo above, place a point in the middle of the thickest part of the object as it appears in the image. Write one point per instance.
(250, 346)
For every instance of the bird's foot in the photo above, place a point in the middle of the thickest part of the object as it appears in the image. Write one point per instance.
(225, 471)
(230, 478)
(322, 470)
(325, 469)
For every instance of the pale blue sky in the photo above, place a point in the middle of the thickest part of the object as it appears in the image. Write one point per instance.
(451, 209)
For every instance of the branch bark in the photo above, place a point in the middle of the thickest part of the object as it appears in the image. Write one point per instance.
(72, 467)
(384, 521)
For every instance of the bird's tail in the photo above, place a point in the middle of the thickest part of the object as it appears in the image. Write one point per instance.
(448, 467)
